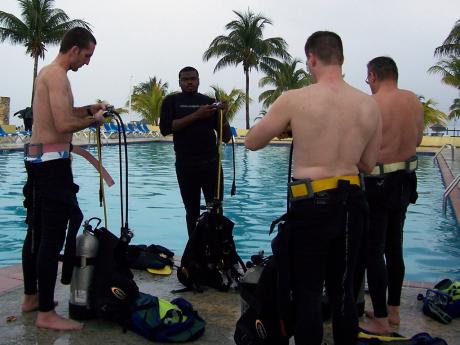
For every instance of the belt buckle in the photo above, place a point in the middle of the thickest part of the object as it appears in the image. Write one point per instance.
(295, 188)
(39, 153)
(408, 163)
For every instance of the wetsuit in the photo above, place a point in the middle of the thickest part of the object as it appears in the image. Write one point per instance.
(196, 151)
(388, 197)
(325, 233)
(50, 199)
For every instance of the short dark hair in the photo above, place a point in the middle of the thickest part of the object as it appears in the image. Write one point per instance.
(188, 69)
(78, 36)
(384, 67)
(327, 46)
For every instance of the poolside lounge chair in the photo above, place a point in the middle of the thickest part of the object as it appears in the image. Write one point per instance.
(108, 131)
(134, 130)
(155, 130)
(9, 132)
(241, 133)
(234, 133)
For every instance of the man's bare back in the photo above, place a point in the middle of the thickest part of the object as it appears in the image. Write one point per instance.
(50, 79)
(402, 124)
(335, 129)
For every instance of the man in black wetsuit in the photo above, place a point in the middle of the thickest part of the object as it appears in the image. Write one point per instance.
(324, 225)
(390, 187)
(193, 120)
(50, 192)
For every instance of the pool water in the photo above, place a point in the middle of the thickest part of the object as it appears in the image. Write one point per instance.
(156, 213)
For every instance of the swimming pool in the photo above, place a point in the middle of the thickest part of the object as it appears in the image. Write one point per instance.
(156, 214)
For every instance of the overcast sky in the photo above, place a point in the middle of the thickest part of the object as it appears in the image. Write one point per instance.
(138, 39)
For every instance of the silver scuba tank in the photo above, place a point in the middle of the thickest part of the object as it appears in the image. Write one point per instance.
(82, 276)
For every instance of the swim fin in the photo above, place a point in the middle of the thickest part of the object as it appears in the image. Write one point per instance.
(166, 270)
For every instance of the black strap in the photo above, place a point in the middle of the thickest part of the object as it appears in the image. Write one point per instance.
(289, 178)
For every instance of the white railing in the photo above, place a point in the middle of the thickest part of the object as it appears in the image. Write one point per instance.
(452, 149)
(447, 192)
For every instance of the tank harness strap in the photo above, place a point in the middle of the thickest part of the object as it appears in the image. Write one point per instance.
(408, 165)
(36, 150)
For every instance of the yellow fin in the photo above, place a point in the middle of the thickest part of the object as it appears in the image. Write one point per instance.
(162, 271)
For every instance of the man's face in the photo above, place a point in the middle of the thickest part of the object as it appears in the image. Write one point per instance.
(371, 80)
(189, 81)
(82, 56)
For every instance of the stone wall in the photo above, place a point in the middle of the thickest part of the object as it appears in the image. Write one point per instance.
(4, 110)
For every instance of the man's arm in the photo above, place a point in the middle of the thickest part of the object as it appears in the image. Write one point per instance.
(420, 122)
(370, 153)
(65, 121)
(203, 112)
(274, 123)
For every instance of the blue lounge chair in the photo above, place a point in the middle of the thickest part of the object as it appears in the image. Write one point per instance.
(11, 137)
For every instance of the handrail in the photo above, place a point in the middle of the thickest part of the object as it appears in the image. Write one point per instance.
(447, 192)
(452, 148)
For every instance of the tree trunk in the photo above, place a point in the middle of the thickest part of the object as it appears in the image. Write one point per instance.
(246, 72)
(33, 79)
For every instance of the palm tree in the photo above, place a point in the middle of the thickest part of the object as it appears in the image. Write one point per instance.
(245, 44)
(283, 75)
(147, 99)
(455, 109)
(431, 115)
(41, 24)
(451, 45)
(235, 100)
(449, 70)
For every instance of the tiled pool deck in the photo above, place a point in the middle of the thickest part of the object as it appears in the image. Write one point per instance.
(220, 310)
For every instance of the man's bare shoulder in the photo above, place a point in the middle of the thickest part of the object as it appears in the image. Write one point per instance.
(52, 73)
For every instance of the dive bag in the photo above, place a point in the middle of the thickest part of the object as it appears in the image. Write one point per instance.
(159, 320)
(260, 322)
(442, 303)
(114, 290)
(210, 256)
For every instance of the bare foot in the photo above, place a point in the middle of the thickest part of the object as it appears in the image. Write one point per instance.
(369, 314)
(51, 320)
(30, 303)
(377, 325)
(393, 314)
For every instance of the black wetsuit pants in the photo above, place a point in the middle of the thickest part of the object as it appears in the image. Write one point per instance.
(388, 199)
(325, 235)
(194, 178)
(50, 199)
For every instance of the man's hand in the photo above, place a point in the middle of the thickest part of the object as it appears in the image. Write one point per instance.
(99, 117)
(204, 112)
(94, 108)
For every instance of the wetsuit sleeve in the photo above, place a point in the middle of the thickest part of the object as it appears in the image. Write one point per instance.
(167, 116)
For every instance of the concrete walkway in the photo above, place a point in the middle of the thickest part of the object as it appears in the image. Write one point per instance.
(220, 310)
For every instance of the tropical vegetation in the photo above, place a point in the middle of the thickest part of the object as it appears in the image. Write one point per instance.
(431, 115)
(245, 44)
(283, 76)
(235, 100)
(40, 24)
(449, 65)
(147, 98)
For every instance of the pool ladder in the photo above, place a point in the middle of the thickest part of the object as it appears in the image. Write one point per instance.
(454, 182)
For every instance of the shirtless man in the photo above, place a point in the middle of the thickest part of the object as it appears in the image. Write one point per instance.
(50, 192)
(336, 134)
(389, 190)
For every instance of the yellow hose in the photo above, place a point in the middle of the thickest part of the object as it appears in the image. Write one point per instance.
(101, 180)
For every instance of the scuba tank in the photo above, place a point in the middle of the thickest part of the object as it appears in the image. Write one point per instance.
(80, 287)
